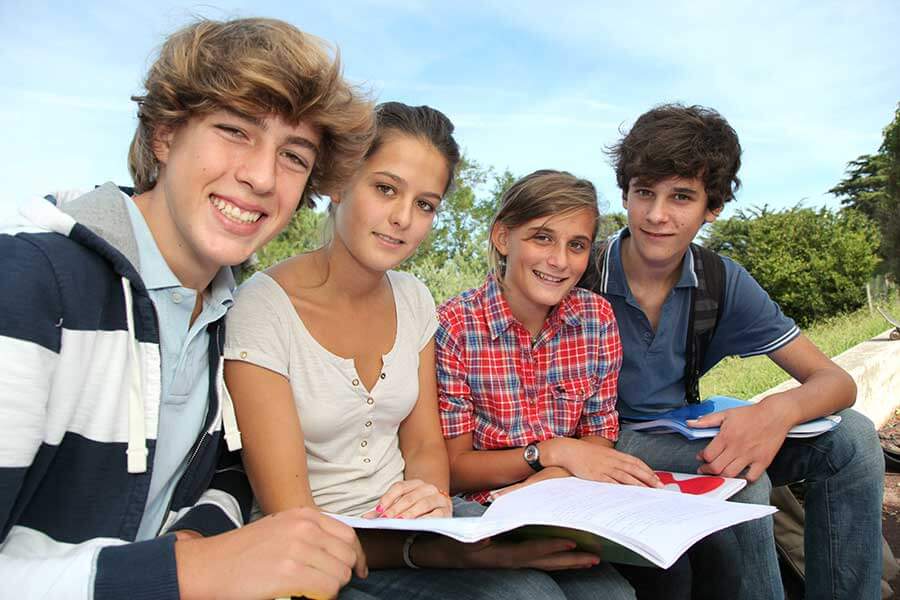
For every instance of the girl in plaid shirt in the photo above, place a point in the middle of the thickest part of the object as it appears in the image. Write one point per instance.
(527, 363)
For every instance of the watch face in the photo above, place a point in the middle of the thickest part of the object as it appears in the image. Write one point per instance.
(531, 453)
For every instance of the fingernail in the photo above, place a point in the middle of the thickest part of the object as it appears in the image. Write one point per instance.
(378, 509)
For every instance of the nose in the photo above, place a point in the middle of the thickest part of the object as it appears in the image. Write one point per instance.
(656, 212)
(558, 257)
(401, 213)
(257, 169)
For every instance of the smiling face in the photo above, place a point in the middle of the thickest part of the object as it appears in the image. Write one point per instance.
(389, 207)
(663, 219)
(227, 185)
(545, 258)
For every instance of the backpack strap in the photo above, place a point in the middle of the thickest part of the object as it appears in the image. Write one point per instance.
(706, 299)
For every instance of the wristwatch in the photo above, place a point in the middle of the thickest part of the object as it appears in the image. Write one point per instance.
(533, 457)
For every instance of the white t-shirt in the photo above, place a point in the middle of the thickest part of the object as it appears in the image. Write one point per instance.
(350, 433)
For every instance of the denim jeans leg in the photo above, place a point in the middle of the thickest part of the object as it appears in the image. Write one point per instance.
(738, 562)
(459, 584)
(602, 581)
(844, 473)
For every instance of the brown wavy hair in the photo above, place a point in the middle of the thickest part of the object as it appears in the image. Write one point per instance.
(255, 67)
(542, 194)
(683, 141)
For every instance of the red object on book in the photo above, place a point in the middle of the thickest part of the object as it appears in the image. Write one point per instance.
(697, 485)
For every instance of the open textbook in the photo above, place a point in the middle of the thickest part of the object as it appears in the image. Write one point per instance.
(676, 420)
(622, 523)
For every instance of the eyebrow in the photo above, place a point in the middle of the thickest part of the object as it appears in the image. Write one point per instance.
(533, 231)
(684, 190)
(402, 181)
(260, 122)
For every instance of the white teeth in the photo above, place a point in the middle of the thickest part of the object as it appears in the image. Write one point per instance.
(546, 277)
(388, 238)
(234, 213)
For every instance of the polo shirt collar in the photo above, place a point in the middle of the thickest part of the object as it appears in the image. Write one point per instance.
(617, 283)
(499, 316)
(155, 271)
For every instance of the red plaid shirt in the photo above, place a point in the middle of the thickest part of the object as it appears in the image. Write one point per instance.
(493, 382)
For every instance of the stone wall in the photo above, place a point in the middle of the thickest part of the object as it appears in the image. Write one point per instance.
(875, 366)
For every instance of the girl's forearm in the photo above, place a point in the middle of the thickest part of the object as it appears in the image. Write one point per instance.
(475, 470)
(428, 463)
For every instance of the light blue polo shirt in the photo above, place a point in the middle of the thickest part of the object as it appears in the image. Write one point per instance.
(184, 353)
(652, 375)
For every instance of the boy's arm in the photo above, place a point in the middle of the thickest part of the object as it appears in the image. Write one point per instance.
(31, 429)
(750, 437)
(225, 505)
(299, 552)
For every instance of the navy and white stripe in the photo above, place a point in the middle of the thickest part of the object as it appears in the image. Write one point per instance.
(69, 508)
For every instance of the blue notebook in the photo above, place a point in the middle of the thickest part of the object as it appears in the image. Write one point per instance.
(675, 420)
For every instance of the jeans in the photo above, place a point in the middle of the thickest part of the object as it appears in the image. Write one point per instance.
(601, 581)
(844, 474)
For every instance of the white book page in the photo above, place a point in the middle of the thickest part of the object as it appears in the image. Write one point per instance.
(463, 529)
(658, 524)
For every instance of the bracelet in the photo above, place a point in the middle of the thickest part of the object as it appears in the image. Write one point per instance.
(407, 546)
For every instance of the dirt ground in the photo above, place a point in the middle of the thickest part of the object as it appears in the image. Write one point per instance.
(890, 436)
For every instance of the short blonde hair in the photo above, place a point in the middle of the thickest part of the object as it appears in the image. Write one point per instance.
(542, 194)
(255, 67)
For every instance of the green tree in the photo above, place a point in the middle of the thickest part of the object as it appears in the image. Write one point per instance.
(814, 263)
(872, 187)
(890, 228)
(454, 257)
(305, 232)
(611, 223)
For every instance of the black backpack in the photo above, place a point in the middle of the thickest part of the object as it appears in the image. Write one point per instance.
(706, 299)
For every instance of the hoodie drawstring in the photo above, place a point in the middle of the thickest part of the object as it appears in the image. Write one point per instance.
(137, 438)
(229, 420)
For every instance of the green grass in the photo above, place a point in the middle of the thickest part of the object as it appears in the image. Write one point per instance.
(745, 378)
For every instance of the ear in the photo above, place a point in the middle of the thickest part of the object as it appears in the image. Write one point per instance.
(500, 238)
(162, 143)
(712, 215)
(336, 197)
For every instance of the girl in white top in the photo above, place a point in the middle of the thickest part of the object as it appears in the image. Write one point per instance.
(330, 362)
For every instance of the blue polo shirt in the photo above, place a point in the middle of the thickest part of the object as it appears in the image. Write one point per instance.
(184, 354)
(652, 375)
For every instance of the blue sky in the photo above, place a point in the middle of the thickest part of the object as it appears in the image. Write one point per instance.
(808, 85)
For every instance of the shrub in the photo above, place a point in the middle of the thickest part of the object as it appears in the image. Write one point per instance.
(814, 263)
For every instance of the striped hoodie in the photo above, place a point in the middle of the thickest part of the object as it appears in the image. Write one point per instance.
(79, 402)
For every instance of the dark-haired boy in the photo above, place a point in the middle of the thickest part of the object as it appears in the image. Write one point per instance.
(676, 167)
(113, 415)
